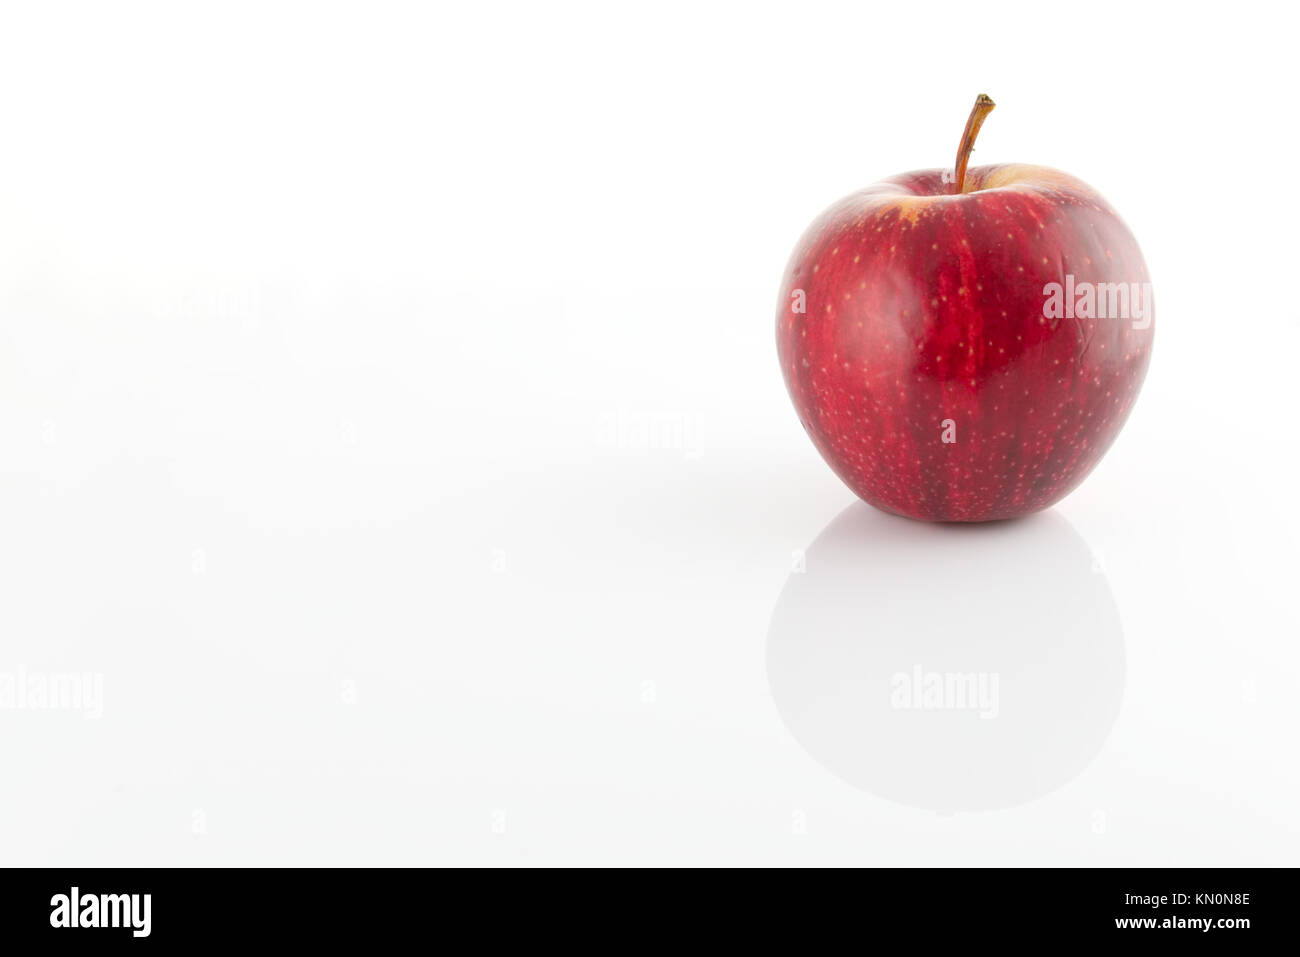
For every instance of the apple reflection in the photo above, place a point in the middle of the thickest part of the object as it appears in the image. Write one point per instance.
(948, 667)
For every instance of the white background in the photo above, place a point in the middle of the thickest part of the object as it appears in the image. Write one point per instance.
(392, 426)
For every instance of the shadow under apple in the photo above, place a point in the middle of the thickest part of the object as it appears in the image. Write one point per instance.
(948, 667)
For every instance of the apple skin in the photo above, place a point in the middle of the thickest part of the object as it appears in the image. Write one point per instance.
(923, 320)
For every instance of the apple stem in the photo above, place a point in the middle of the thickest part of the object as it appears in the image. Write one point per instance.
(982, 108)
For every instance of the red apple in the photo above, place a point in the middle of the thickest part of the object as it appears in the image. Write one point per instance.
(965, 346)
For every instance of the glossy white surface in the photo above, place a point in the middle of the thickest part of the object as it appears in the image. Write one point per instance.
(393, 434)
